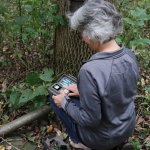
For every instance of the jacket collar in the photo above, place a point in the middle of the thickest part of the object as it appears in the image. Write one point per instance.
(108, 55)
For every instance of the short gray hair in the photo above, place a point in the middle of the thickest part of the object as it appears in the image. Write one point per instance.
(98, 20)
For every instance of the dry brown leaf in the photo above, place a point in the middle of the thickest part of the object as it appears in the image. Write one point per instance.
(6, 117)
(39, 145)
(133, 137)
(147, 118)
(36, 129)
(4, 87)
(57, 131)
(2, 80)
(138, 128)
(142, 82)
(147, 139)
(1, 110)
(2, 147)
(49, 128)
(5, 48)
(140, 120)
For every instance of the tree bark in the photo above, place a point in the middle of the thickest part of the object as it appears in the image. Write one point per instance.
(69, 50)
(24, 120)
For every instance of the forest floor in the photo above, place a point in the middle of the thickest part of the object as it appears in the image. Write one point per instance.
(49, 125)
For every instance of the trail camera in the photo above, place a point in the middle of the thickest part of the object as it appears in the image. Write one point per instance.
(73, 5)
(63, 80)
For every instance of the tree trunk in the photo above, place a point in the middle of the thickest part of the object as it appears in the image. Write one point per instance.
(69, 51)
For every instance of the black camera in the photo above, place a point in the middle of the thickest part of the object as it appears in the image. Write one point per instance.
(63, 80)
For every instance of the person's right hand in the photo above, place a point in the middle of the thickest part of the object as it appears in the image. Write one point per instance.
(73, 90)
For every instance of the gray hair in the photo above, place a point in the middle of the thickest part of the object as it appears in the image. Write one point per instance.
(98, 20)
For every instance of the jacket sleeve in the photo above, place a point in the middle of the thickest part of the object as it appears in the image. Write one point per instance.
(89, 113)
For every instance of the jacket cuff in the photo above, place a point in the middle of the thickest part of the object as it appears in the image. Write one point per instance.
(64, 103)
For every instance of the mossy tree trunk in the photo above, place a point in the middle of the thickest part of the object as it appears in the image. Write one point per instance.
(69, 50)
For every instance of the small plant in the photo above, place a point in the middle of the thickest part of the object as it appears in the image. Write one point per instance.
(136, 144)
(34, 89)
(134, 22)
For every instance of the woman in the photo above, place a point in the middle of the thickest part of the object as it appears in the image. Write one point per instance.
(102, 115)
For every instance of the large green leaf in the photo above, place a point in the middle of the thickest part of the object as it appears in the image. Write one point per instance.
(33, 78)
(14, 96)
(129, 21)
(39, 91)
(143, 41)
(30, 30)
(25, 97)
(20, 20)
(47, 75)
(39, 101)
(137, 12)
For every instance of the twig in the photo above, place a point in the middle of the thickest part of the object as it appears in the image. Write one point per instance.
(9, 144)
(23, 145)
(140, 96)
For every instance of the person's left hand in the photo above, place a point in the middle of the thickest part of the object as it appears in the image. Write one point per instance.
(57, 99)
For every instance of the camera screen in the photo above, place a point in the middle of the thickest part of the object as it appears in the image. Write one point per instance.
(66, 81)
(57, 87)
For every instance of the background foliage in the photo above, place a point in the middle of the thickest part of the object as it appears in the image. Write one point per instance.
(27, 33)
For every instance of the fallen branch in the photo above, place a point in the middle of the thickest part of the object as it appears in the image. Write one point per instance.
(24, 120)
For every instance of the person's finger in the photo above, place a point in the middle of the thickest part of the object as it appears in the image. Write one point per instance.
(71, 94)
(62, 92)
(53, 97)
(67, 87)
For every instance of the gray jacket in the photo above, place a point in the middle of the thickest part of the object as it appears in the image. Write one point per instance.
(107, 85)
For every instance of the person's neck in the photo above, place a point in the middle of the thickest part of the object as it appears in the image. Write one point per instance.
(108, 46)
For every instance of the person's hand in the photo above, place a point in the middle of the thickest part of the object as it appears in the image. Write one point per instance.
(73, 90)
(57, 99)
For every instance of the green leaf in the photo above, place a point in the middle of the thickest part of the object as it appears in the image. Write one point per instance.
(145, 17)
(129, 21)
(30, 30)
(32, 139)
(57, 19)
(33, 78)
(25, 97)
(24, 36)
(35, 35)
(138, 12)
(140, 23)
(118, 40)
(62, 21)
(51, 51)
(148, 144)
(43, 31)
(42, 129)
(39, 101)
(55, 8)
(47, 75)
(39, 91)
(21, 20)
(28, 7)
(143, 41)
(14, 96)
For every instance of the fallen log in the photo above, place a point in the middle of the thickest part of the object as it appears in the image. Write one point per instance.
(24, 120)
